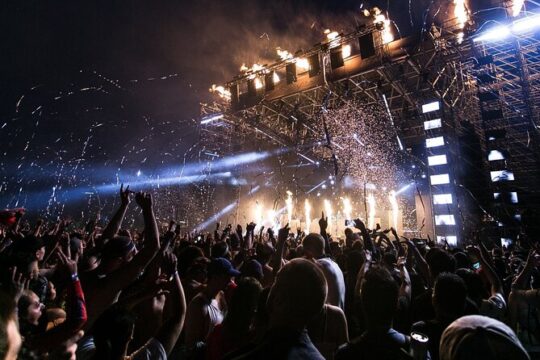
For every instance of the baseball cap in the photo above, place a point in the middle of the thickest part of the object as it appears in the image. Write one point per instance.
(480, 337)
(222, 266)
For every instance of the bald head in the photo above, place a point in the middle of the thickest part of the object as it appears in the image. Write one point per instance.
(313, 245)
(297, 295)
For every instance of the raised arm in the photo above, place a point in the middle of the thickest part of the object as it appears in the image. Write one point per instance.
(277, 258)
(363, 270)
(76, 310)
(421, 263)
(405, 288)
(368, 243)
(124, 276)
(524, 276)
(116, 221)
(170, 331)
(496, 285)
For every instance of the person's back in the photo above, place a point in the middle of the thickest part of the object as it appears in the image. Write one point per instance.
(449, 296)
(335, 280)
(329, 330)
(379, 296)
(313, 245)
(295, 299)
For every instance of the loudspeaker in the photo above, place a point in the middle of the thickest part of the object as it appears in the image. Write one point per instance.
(290, 70)
(336, 58)
(314, 65)
(367, 46)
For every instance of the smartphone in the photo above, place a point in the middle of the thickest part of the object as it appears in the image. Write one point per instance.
(349, 222)
(476, 266)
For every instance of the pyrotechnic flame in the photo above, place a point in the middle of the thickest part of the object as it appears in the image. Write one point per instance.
(347, 208)
(371, 213)
(289, 203)
(516, 7)
(328, 212)
(275, 77)
(307, 210)
(395, 210)
(380, 18)
(462, 16)
(272, 219)
(346, 51)
(303, 64)
(221, 91)
(258, 214)
(284, 54)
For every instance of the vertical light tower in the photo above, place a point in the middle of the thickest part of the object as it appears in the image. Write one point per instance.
(440, 174)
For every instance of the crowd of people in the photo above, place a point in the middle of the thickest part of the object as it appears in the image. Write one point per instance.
(101, 291)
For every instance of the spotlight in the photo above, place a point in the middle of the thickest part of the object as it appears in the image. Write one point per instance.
(495, 34)
(526, 24)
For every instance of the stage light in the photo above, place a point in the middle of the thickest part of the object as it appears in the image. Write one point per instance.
(275, 77)
(346, 51)
(331, 35)
(501, 175)
(445, 219)
(139, 173)
(440, 179)
(442, 199)
(211, 118)
(432, 124)
(429, 107)
(495, 155)
(516, 7)
(437, 160)
(450, 239)
(303, 64)
(526, 24)
(435, 142)
(506, 242)
(495, 34)
(512, 196)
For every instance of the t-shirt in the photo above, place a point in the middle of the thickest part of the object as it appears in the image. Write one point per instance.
(335, 280)
(283, 345)
(389, 345)
(152, 350)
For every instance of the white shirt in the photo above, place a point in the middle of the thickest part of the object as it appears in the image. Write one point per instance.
(335, 280)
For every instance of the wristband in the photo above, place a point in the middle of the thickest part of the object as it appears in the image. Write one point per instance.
(75, 277)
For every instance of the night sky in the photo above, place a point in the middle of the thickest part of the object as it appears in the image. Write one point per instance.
(93, 90)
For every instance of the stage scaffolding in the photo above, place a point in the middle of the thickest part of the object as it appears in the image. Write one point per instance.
(483, 89)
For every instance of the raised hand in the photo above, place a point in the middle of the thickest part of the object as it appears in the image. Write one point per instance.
(323, 222)
(68, 264)
(144, 200)
(359, 224)
(270, 233)
(124, 195)
(250, 227)
(283, 233)
(18, 284)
